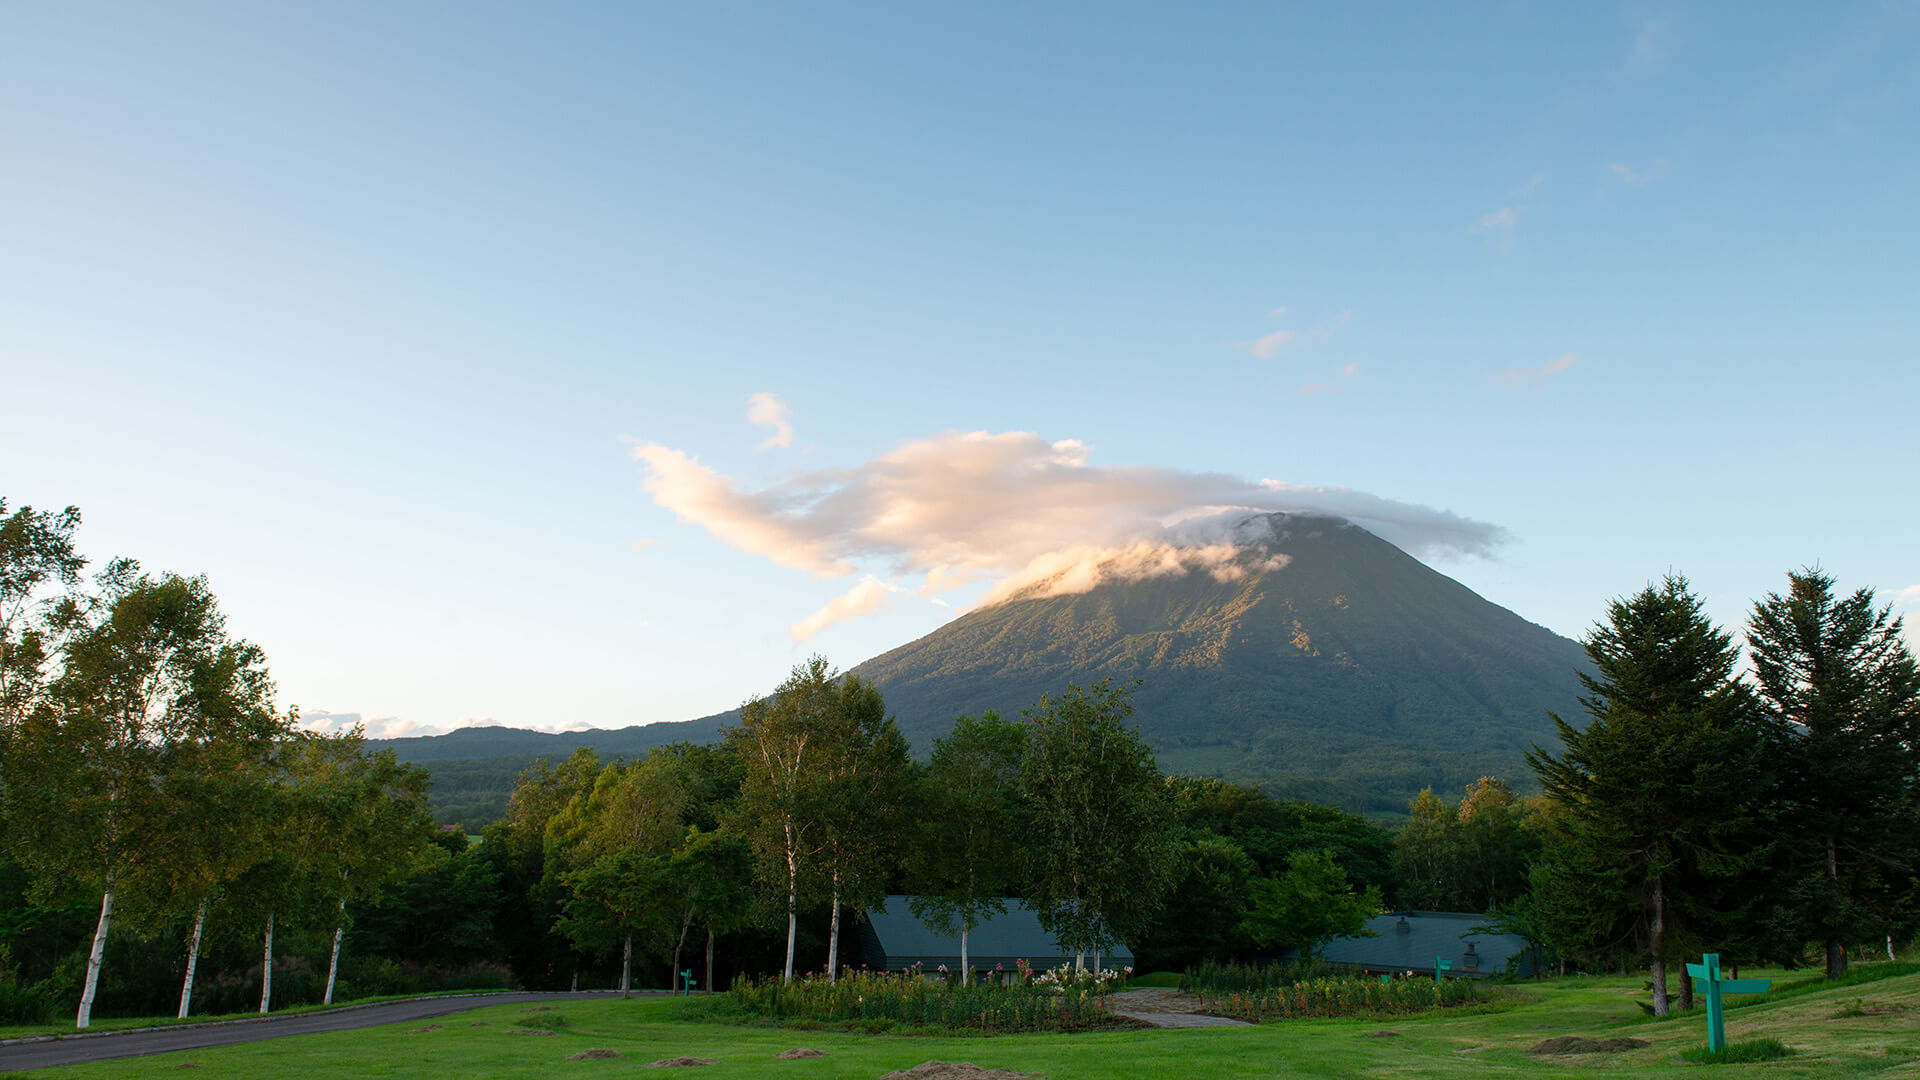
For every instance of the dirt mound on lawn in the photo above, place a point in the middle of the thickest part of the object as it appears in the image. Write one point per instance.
(799, 1052)
(954, 1070)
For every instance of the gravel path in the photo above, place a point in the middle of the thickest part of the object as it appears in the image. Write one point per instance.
(1167, 1008)
(49, 1050)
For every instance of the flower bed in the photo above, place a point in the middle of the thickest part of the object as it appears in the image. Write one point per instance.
(1341, 996)
(1048, 1002)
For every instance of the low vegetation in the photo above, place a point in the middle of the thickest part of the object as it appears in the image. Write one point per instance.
(878, 1001)
(1445, 1044)
(1353, 995)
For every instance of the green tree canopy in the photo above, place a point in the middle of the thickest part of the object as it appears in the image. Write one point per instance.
(1659, 788)
(1843, 693)
(1101, 830)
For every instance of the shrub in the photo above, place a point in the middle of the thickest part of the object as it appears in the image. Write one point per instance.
(1740, 1052)
(30, 1004)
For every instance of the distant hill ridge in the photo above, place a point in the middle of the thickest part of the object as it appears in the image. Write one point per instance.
(1317, 659)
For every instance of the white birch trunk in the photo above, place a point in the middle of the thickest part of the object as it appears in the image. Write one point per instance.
(793, 898)
(1079, 961)
(833, 933)
(266, 968)
(966, 969)
(626, 967)
(193, 960)
(333, 965)
(85, 1016)
(792, 923)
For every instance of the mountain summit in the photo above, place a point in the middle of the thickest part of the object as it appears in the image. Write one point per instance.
(1304, 652)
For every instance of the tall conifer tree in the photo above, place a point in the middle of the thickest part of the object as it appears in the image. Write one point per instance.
(1652, 790)
(1843, 691)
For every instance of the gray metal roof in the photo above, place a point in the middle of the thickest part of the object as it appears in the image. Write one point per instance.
(1409, 941)
(894, 939)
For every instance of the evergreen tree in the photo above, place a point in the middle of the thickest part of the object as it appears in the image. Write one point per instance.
(1660, 787)
(1843, 693)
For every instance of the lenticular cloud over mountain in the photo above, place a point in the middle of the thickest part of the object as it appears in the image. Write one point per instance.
(1015, 512)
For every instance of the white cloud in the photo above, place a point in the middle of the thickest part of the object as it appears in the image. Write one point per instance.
(1348, 371)
(1268, 347)
(1653, 40)
(1504, 218)
(1908, 595)
(768, 410)
(960, 508)
(1628, 176)
(323, 722)
(1516, 376)
(1272, 345)
(865, 597)
(643, 543)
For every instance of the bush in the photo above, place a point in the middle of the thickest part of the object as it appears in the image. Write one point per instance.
(1740, 1052)
(25, 1005)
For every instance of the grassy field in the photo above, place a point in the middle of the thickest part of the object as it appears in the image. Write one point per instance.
(1869, 1029)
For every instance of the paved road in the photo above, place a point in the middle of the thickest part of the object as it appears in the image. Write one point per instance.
(105, 1046)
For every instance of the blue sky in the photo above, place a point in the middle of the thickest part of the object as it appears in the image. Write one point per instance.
(365, 311)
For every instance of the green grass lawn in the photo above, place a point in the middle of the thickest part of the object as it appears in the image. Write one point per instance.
(1865, 1029)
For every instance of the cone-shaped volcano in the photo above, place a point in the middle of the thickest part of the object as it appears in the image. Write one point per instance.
(1318, 658)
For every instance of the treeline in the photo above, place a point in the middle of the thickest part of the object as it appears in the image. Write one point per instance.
(168, 840)
(811, 811)
(146, 777)
(1762, 814)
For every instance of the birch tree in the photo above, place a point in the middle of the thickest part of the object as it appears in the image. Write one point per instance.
(968, 852)
(863, 783)
(370, 819)
(153, 676)
(612, 847)
(778, 739)
(39, 573)
(1100, 839)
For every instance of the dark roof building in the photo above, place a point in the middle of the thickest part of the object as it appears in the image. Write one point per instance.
(1410, 940)
(891, 939)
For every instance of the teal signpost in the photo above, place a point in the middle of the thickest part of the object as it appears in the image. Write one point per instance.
(687, 982)
(1707, 980)
(1439, 966)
